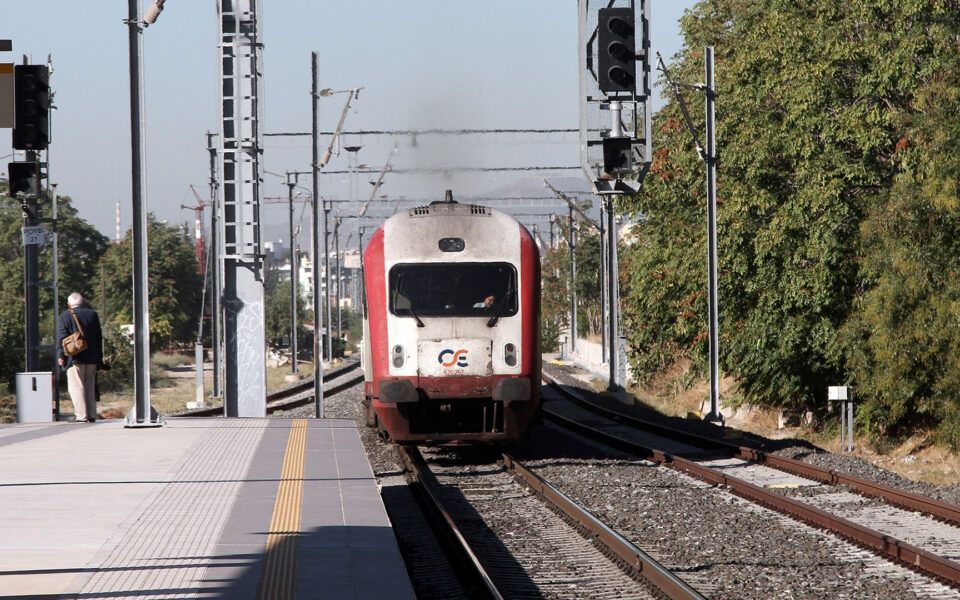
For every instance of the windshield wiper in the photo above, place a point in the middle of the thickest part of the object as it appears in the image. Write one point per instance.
(501, 308)
(414, 315)
(410, 308)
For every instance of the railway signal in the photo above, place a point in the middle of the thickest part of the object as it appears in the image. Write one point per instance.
(615, 114)
(24, 179)
(31, 130)
(617, 155)
(617, 47)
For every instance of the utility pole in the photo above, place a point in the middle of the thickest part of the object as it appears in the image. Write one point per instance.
(315, 241)
(709, 158)
(142, 414)
(291, 183)
(612, 296)
(573, 287)
(215, 264)
(336, 253)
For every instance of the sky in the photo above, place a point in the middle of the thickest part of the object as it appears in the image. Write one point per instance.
(422, 64)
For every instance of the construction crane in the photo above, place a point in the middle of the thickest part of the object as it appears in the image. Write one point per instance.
(198, 229)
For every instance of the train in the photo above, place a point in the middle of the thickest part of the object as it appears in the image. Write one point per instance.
(451, 326)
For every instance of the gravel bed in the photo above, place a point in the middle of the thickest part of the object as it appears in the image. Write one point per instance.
(727, 547)
(724, 546)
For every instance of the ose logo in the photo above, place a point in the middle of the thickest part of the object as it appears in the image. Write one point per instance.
(459, 358)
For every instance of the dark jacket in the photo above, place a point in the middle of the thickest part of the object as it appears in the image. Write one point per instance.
(90, 323)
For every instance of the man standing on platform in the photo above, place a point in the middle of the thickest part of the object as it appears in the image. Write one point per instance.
(81, 368)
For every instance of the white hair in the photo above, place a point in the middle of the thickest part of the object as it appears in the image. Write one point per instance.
(74, 299)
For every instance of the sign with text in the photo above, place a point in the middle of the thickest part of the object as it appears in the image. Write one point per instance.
(33, 235)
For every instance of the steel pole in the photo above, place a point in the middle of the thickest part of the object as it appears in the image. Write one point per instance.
(573, 288)
(711, 160)
(603, 287)
(291, 182)
(315, 241)
(31, 269)
(336, 253)
(142, 413)
(614, 356)
(215, 254)
(326, 277)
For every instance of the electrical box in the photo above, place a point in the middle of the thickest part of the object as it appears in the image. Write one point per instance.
(35, 397)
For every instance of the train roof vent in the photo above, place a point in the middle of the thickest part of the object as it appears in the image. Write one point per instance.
(449, 208)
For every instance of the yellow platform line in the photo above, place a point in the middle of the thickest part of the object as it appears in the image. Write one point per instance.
(278, 577)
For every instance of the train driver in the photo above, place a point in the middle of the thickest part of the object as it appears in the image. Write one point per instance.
(487, 302)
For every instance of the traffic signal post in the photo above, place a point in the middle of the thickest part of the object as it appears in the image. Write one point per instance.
(31, 132)
(615, 138)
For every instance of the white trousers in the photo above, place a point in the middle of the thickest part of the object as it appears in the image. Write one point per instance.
(82, 384)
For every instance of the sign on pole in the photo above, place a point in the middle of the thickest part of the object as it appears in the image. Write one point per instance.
(6, 95)
(33, 235)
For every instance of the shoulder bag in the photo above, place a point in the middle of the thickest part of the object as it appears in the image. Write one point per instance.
(74, 343)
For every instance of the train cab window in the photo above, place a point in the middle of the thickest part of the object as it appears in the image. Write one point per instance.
(420, 290)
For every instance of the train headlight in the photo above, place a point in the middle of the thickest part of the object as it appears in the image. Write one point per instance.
(510, 354)
(397, 356)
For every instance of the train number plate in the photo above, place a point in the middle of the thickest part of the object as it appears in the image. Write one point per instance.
(458, 357)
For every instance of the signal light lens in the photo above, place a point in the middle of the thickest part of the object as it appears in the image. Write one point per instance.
(510, 355)
(398, 356)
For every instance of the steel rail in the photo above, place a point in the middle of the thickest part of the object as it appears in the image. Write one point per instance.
(907, 554)
(907, 500)
(469, 569)
(658, 575)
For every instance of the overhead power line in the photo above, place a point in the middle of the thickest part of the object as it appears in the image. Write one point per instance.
(449, 169)
(423, 132)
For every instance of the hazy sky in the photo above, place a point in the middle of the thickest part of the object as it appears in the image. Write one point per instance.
(422, 64)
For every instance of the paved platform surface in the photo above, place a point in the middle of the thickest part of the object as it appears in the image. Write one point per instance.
(199, 508)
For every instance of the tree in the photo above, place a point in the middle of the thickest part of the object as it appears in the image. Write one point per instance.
(277, 312)
(81, 246)
(174, 286)
(814, 99)
(904, 336)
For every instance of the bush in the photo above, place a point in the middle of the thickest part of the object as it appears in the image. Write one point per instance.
(118, 355)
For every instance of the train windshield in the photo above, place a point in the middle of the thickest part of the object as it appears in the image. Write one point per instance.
(453, 290)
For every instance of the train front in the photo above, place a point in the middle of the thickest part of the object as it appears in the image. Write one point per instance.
(451, 329)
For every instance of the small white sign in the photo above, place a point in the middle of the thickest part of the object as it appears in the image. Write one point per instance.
(838, 392)
(33, 236)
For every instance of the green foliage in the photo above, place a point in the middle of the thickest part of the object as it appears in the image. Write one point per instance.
(175, 287)
(80, 249)
(555, 282)
(277, 312)
(118, 355)
(549, 335)
(836, 207)
(904, 337)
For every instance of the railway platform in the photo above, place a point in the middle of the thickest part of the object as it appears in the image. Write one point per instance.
(199, 508)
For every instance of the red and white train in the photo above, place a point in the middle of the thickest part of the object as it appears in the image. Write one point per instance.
(451, 351)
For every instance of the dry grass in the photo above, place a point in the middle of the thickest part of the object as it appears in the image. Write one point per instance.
(175, 397)
(674, 393)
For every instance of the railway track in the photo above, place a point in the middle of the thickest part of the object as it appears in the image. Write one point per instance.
(513, 543)
(292, 396)
(917, 532)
